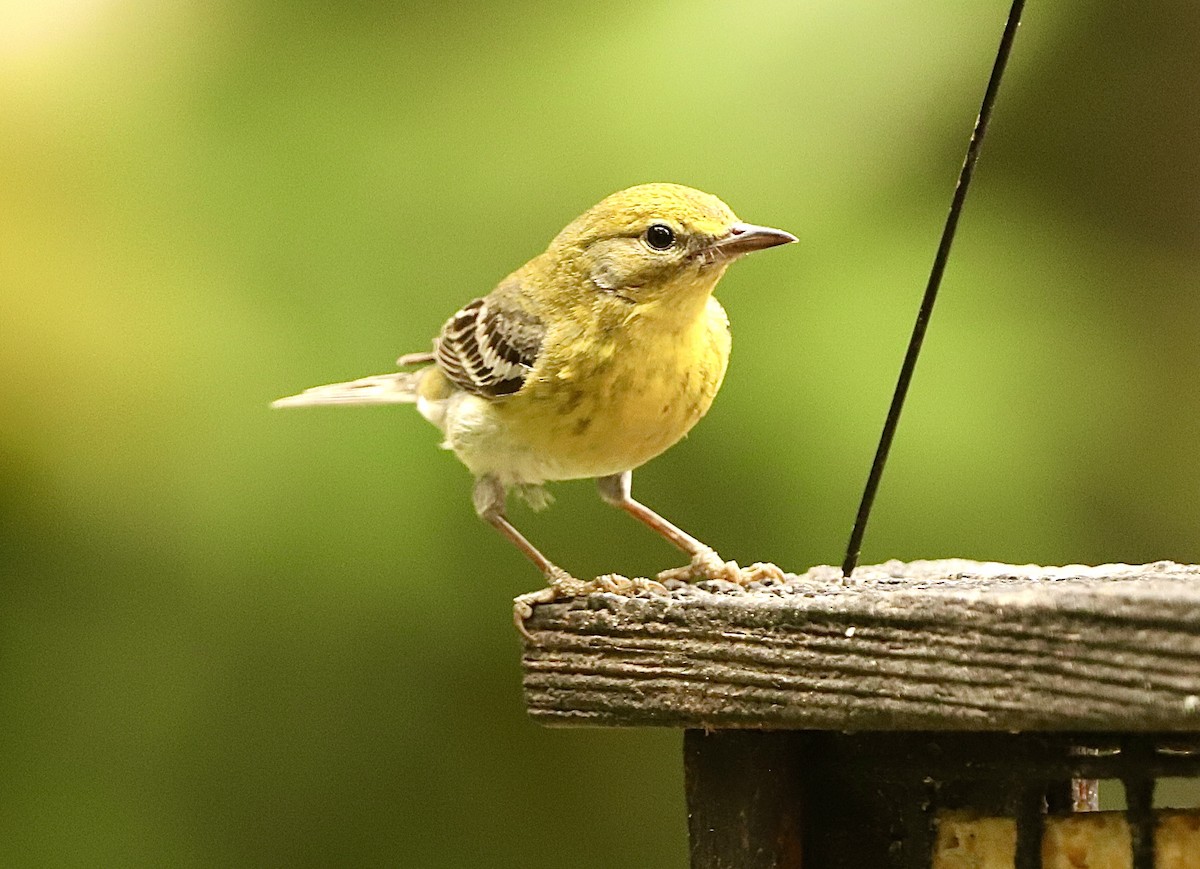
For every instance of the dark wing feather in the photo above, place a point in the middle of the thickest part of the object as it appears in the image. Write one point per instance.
(489, 347)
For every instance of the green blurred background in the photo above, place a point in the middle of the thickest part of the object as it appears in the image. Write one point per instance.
(233, 637)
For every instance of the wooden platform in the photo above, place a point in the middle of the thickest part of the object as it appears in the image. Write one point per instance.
(947, 645)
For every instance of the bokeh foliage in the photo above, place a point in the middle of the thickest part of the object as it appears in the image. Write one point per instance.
(241, 638)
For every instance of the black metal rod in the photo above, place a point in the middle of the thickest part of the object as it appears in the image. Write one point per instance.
(1031, 827)
(935, 279)
(1139, 799)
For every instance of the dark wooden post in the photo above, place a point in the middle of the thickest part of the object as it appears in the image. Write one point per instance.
(829, 724)
(743, 791)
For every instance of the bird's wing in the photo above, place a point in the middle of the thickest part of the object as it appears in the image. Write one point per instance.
(490, 345)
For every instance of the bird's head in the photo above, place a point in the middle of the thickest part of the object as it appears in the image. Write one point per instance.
(660, 243)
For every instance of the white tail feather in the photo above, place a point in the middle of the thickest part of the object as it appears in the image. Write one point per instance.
(398, 388)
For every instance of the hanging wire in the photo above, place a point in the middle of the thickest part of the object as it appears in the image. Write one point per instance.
(854, 547)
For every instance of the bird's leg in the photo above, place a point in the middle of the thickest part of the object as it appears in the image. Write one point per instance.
(706, 564)
(615, 490)
(490, 499)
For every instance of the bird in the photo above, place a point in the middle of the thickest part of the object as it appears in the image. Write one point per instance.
(588, 361)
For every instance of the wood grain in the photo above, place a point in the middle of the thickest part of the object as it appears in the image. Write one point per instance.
(937, 645)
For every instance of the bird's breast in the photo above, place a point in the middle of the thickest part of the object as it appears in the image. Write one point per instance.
(631, 395)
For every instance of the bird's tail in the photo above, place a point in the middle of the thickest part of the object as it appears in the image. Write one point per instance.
(398, 388)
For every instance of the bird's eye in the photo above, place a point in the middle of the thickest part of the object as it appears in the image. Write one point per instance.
(660, 236)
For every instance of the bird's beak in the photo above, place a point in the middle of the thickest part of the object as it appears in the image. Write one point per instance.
(744, 238)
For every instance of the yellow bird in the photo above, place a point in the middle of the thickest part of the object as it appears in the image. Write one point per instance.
(588, 361)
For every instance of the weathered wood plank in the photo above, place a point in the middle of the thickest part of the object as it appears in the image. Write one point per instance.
(938, 645)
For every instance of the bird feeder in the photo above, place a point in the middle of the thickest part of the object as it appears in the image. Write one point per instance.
(947, 714)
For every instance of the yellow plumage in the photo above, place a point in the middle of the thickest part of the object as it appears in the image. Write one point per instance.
(603, 411)
(588, 361)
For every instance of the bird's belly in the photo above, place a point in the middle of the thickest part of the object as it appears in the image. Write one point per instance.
(628, 421)
(592, 416)
(610, 418)
(612, 437)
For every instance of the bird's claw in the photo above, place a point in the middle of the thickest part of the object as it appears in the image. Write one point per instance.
(563, 586)
(761, 571)
(707, 564)
(523, 605)
(614, 583)
(560, 584)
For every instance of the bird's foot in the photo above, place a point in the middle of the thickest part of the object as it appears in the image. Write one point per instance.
(614, 583)
(562, 586)
(707, 564)
(763, 571)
